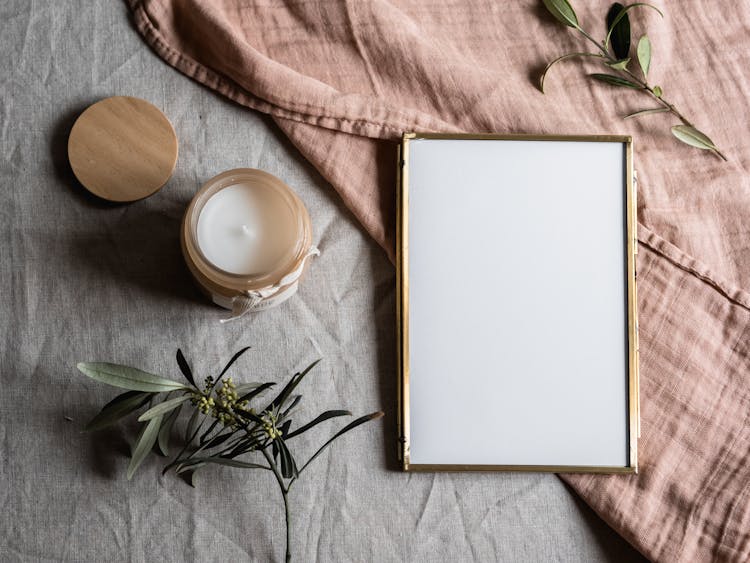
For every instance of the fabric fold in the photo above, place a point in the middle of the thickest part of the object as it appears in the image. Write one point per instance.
(691, 498)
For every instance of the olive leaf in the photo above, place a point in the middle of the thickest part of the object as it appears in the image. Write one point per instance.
(205, 436)
(344, 430)
(645, 112)
(288, 466)
(254, 392)
(562, 12)
(245, 387)
(117, 408)
(619, 65)
(188, 467)
(192, 426)
(644, 53)
(284, 428)
(557, 60)
(691, 136)
(229, 364)
(185, 367)
(295, 401)
(127, 377)
(618, 25)
(217, 440)
(165, 432)
(143, 445)
(623, 14)
(162, 408)
(320, 418)
(287, 390)
(615, 80)
(221, 461)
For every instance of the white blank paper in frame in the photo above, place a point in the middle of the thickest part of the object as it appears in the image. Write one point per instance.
(517, 292)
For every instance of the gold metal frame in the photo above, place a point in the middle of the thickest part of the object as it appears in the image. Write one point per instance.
(402, 299)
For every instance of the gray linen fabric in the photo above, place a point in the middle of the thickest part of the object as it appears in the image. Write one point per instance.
(82, 280)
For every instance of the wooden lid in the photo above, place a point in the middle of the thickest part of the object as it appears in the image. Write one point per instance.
(122, 149)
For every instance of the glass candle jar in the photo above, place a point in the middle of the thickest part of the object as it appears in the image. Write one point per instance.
(246, 238)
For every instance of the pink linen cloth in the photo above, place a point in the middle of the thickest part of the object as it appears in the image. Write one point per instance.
(344, 79)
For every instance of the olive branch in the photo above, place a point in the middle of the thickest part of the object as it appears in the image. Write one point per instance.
(614, 53)
(222, 429)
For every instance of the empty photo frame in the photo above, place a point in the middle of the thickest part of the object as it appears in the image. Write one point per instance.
(517, 319)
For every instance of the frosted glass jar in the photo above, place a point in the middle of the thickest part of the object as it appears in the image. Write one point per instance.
(246, 238)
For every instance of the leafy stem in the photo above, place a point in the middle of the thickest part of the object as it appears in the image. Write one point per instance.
(607, 56)
(285, 496)
(234, 428)
(613, 53)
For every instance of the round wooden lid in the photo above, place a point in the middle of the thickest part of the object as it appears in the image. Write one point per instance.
(122, 149)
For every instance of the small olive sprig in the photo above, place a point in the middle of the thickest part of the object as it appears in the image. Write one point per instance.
(222, 429)
(614, 53)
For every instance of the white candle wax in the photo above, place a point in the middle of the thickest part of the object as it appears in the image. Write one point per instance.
(238, 230)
